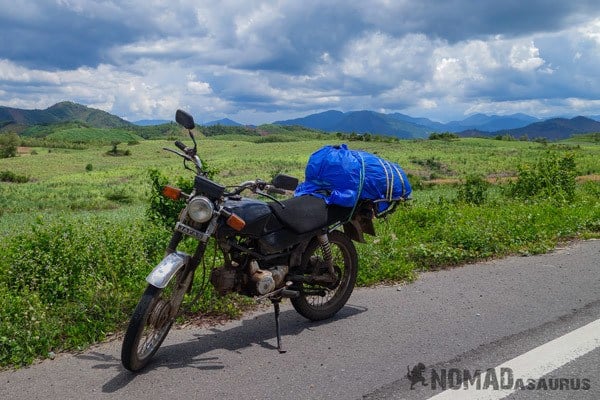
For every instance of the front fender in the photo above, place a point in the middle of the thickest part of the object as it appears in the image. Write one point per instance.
(164, 271)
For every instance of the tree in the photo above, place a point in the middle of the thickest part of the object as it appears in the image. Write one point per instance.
(114, 144)
(9, 144)
(443, 136)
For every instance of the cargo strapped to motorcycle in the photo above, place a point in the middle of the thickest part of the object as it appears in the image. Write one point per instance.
(348, 178)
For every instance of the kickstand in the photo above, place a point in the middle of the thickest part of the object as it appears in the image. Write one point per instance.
(276, 305)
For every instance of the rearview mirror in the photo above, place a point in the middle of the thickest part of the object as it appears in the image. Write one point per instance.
(286, 182)
(184, 119)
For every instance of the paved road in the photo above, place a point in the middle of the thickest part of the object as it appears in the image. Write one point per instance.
(476, 317)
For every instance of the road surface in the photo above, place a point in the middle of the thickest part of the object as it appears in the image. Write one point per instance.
(501, 318)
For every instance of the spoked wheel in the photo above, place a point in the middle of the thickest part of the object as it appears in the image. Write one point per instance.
(152, 320)
(318, 302)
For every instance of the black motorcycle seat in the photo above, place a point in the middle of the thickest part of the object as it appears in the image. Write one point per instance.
(308, 213)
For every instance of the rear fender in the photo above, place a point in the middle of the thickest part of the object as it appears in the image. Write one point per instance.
(166, 269)
(355, 230)
(361, 223)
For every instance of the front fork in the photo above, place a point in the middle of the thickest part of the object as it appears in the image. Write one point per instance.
(174, 260)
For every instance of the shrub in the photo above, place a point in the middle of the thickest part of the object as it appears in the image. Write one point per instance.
(473, 190)
(505, 137)
(89, 167)
(164, 211)
(551, 177)
(416, 182)
(9, 176)
(448, 136)
(9, 144)
(161, 210)
(120, 196)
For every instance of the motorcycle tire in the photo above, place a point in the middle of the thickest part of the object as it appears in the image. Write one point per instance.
(318, 302)
(151, 321)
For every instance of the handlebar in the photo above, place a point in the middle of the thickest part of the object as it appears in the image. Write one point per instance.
(188, 154)
(181, 146)
(257, 186)
(276, 190)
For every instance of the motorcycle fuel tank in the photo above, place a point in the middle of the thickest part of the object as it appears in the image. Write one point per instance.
(257, 215)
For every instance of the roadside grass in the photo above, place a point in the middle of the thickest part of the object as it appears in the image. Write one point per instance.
(76, 246)
(431, 234)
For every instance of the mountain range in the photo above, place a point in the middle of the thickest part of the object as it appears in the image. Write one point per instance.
(65, 111)
(361, 122)
(406, 127)
(152, 122)
(552, 129)
(224, 122)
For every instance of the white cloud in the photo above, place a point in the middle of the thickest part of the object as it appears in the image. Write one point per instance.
(256, 59)
(525, 57)
(381, 58)
(11, 72)
(199, 88)
(591, 30)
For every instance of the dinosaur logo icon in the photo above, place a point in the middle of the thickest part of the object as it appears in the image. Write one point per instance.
(416, 375)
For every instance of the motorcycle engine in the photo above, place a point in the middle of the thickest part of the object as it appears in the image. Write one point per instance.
(224, 279)
(253, 281)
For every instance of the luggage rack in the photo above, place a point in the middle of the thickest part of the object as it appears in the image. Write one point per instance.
(393, 205)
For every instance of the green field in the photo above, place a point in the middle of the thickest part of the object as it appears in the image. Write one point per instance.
(75, 243)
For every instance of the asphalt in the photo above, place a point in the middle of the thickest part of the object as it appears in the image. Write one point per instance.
(470, 317)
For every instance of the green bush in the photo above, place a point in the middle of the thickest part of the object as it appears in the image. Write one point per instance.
(9, 143)
(552, 176)
(447, 136)
(162, 210)
(120, 195)
(473, 190)
(9, 176)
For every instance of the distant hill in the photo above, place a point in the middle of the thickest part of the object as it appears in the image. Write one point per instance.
(325, 121)
(426, 122)
(223, 122)
(65, 111)
(360, 122)
(491, 123)
(552, 129)
(402, 125)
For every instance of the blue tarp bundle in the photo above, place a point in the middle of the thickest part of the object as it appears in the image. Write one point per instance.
(342, 176)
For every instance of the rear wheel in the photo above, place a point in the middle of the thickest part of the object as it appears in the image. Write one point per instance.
(318, 302)
(152, 320)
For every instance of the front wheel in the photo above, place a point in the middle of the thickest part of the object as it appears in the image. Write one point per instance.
(318, 302)
(151, 321)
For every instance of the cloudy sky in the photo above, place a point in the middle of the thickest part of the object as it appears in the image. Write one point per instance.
(259, 61)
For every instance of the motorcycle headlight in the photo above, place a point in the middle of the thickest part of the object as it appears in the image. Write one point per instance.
(200, 209)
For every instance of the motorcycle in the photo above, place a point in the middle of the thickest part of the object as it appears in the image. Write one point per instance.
(270, 250)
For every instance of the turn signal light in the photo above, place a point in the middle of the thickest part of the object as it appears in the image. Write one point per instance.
(236, 222)
(171, 192)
